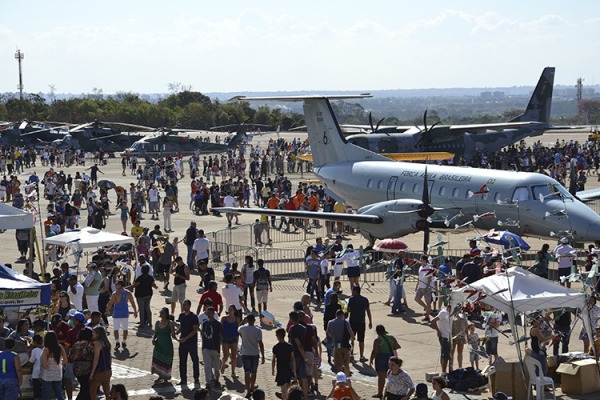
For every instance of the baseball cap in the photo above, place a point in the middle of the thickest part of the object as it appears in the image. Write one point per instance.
(79, 317)
(71, 313)
(340, 377)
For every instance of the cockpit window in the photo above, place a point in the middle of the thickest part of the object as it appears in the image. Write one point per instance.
(521, 194)
(551, 191)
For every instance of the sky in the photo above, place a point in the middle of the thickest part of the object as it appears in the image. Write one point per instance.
(234, 45)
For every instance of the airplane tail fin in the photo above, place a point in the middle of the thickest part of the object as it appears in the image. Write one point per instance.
(327, 143)
(540, 104)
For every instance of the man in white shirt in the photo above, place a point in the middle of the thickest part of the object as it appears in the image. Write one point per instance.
(75, 292)
(229, 201)
(201, 248)
(441, 323)
(232, 294)
(138, 267)
(424, 286)
(564, 254)
(153, 201)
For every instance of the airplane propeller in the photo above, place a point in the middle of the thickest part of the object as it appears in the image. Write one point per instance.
(426, 131)
(425, 211)
(376, 128)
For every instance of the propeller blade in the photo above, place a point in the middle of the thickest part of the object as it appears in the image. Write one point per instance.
(425, 120)
(378, 124)
(371, 123)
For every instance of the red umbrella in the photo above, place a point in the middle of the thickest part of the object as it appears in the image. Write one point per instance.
(390, 246)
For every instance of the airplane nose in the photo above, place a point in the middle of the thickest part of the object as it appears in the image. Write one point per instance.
(584, 221)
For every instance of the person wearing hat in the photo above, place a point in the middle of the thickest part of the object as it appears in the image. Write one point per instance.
(563, 253)
(342, 388)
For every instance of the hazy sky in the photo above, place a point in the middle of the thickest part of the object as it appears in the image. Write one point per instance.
(142, 46)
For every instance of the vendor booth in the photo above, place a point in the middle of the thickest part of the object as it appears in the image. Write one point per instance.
(14, 218)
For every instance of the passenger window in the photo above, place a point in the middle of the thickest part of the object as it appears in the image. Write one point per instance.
(370, 183)
(521, 194)
(403, 186)
(415, 188)
(442, 191)
(455, 192)
(380, 185)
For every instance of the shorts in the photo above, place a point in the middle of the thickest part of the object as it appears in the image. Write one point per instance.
(250, 364)
(300, 367)
(310, 361)
(459, 339)
(153, 206)
(230, 340)
(359, 330)
(491, 346)
(262, 296)
(445, 348)
(382, 362)
(353, 272)
(473, 356)
(162, 268)
(68, 373)
(565, 271)
(423, 292)
(178, 293)
(121, 323)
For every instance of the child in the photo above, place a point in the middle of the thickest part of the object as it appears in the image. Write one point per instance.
(175, 247)
(473, 341)
(257, 229)
(35, 359)
(283, 358)
(342, 389)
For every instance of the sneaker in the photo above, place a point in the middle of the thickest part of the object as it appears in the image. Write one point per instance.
(117, 346)
(363, 359)
(124, 345)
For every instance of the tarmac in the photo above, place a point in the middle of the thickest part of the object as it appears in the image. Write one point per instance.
(420, 348)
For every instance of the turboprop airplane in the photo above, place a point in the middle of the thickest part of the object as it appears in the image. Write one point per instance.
(460, 140)
(396, 198)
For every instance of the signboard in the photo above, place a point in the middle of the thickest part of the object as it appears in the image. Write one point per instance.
(20, 297)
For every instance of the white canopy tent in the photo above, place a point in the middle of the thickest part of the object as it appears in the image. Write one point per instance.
(85, 238)
(14, 218)
(518, 291)
(88, 238)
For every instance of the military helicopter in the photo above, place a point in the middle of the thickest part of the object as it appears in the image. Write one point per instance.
(34, 133)
(170, 141)
(95, 136)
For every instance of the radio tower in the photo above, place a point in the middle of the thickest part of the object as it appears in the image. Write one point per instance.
(579, 88)
(19, 57)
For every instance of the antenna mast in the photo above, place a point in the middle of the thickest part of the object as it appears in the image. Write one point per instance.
(19, 57)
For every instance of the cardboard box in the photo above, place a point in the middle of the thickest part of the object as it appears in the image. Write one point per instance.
(579, 377)
(507, 377)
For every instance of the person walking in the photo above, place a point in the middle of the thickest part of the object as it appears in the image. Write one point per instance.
(120, 299)
(340, 331)
(262, 280)
(188, 342)
(231, 335)
(283, 359)
(11, 376)
(142, 287)
(81, 355)
(101, 365)
(248, 281)
(201, 248)
(162, 355)
(190, 237)
(167, 212)
(358, 306)
(92, 287)
(252, 347)
(181, 274)
(54, 358)
(398, 383)
(443, 326)
(212, 338)
(384, 347)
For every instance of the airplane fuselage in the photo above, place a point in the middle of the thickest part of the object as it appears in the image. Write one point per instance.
(466, 144)
(454, 188)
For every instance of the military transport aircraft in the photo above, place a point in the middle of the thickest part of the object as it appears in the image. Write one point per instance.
(396, 198)
(460, 140)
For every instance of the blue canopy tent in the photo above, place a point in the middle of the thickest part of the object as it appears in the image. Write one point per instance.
(18, 290)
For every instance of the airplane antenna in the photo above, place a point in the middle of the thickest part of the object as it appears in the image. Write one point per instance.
(19, 56)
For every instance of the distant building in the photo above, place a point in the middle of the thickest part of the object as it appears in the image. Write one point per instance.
(489, 96)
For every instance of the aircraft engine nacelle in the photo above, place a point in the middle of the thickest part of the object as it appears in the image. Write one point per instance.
(400, 217)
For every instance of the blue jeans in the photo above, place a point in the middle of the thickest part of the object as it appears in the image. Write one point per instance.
(9, 389)
(53, 386)
(542, 359)
(190, 347)
(329, 346)
(313, 286)
(190, 258)
(397, 304)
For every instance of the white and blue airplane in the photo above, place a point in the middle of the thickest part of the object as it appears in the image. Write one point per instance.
(394, 198)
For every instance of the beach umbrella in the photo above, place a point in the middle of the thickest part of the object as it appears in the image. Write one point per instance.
(506, 239)
(390, 246)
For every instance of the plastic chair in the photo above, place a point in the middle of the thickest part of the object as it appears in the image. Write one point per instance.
(537, 379)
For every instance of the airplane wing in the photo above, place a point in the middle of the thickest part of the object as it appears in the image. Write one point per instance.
(588, 195)
(493, 127)
(327, 216)
(381, 129)
(427, 156)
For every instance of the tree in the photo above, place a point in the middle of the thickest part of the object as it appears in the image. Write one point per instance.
(589, 111)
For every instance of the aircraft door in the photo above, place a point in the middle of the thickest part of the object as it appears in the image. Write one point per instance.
(391, 188)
